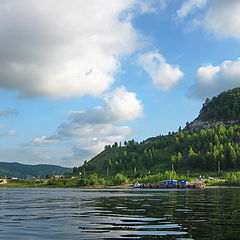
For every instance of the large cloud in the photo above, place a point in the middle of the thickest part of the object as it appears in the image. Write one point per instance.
(61, 48)
(119, 106)
(220, 17)
(164, 75)
(212, 80)
(223, 18)
(89, 131)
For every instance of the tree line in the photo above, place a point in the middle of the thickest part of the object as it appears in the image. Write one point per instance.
(206, 150)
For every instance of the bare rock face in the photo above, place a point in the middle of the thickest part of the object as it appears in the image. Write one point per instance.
(198, 125)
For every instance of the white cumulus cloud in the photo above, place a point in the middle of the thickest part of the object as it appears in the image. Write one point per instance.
(60, 48)
(223, 18)
(211, 80)
(119, 106)
(220, 17)
(89, 131)
(163, 75)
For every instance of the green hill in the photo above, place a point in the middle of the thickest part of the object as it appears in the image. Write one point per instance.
(24, 171)
(225, 107)
(215, 142)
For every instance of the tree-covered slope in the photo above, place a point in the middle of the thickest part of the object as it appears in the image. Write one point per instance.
(23, 170)
(206, 148)
(226, 107)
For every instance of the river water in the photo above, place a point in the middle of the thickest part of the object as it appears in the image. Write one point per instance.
(33, 214)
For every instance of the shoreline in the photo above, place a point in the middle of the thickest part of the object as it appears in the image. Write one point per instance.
(221, 187)
(129, 186)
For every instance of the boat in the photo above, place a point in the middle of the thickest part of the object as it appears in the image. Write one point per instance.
(137, 185)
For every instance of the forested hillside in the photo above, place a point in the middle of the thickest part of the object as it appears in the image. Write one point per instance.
(226, 107)
(205, 150)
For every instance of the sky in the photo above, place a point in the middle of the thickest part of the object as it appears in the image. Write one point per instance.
(78, 75)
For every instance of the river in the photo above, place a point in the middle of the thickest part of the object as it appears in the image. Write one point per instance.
(33, 214)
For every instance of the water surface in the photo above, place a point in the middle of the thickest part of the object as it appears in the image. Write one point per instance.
(31, 213)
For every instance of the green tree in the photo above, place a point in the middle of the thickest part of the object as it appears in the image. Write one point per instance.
(120, 179)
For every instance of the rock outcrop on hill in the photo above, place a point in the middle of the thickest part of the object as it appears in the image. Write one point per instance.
(197, 125)
(223, 109)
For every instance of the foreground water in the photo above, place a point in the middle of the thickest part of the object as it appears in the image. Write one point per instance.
(32, 213)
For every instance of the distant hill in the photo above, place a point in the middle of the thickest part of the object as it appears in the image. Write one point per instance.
(210, 141)
(24, 171)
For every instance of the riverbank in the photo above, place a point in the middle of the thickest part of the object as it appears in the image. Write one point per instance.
(227, 179)
(41, 185)
(125, 186)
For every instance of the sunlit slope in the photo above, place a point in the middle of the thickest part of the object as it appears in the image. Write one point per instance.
(215, 141)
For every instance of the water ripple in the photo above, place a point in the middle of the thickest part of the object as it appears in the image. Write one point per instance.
(119, 214)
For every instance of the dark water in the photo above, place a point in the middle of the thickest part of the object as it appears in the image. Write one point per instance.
(32, 213)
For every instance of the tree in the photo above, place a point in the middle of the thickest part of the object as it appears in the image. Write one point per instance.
(120, 179)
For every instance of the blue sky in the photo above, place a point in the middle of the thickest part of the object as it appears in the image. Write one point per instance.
(76, 76)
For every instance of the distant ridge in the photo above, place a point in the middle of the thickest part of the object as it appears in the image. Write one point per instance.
(23, 170)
